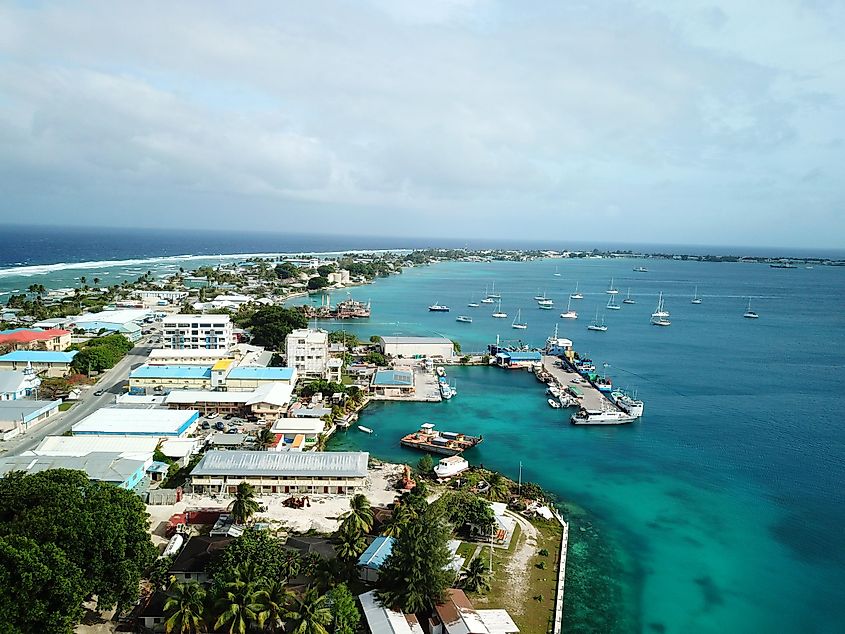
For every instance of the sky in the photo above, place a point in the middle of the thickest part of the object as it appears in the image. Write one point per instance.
(713, 122)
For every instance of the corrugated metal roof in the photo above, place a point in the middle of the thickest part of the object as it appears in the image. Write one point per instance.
(393, 377)
(416, 340)
(24, 409)
(103, 466)
(171, 372)
(288, 463)
(376, 553)
(136, 422)
(262, 374)
(39, 356)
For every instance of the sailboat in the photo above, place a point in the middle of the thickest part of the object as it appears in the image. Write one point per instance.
(569, 314)
(695, 298)
(611, 290)
(628, 299)
(519, 325)
(472, 302)
(539, 297)
(750, 314)
(487, 299)
(545, 302)
(499, 314)
(612, 305)
(556, 274)
(660, 316)
(576, 294)
(493, 294)
(600, 327)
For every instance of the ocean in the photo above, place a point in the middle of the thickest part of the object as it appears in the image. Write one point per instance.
(721, 510)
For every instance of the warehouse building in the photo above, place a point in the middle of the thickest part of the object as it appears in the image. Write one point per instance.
(393, 383)
(19, 416)
(44, 362)
(118, 421)
(101, 466)
(212, 332)
(417, 347)
(332, 472)
(223, 375)
(267, 402)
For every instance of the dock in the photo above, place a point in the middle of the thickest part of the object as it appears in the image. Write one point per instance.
(565, 376)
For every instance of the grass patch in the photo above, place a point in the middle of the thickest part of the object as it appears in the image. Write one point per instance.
(466, 550)
(65, 407)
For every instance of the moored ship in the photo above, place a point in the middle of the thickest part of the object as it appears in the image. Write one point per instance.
(446, 443)
(601, 417)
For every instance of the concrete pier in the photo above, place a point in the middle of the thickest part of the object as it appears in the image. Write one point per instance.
(561, 576)
(566, 377)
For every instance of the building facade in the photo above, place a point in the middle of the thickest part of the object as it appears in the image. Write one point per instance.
(194, 332)
(417, 347)
(52, 339)
(45, 363)
(308, 351)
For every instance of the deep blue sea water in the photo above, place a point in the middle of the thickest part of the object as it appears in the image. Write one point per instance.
(721, 510)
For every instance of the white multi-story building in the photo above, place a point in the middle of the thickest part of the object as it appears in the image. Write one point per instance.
(308, 351)
(195, 332)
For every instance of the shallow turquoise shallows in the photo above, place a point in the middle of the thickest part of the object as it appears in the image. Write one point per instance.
(722, 509)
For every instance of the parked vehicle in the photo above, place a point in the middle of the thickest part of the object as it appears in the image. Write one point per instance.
(219, 426)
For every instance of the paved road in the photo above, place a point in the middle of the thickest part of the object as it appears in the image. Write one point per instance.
(112, 381)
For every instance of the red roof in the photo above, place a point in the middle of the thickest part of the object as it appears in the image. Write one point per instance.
(27, 336)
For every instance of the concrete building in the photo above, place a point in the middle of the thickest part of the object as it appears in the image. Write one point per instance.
(393, 383)
(307, 350)
(154, 297)
(332, 472)
(110, 467)
(456, 615)
(417, 347)
(53, 339)
(186, 356)
(45, 363)
(268, 402)
(19, 416)
(212, 332)
(118, 421)
(121, 316)
(290, 429)
(138, 447)
(130, 330)
(249, 378)
(222, 376)
(518, 359)
(18, 384)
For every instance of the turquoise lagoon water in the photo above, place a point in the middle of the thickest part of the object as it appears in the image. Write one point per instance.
(722, 509)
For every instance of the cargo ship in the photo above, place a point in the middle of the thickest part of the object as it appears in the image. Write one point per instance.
(446, 443)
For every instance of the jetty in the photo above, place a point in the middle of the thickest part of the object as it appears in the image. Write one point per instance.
(566, 376)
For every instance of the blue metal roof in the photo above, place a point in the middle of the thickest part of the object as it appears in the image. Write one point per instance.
(376, 553)
(171, 372)
(521, 356)
(393, 377)
(39, 356)
(262, 374)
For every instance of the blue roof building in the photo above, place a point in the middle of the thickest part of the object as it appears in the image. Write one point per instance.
(171, 372)
(372, 559)
(509, 359)
(394, 378)
(261, 374)
(44, 362)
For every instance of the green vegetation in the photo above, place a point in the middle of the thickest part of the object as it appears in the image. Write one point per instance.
(101, 353)
(359, 517)
(347, 338)
(74, 538)
(316, 283)
(184, 608)
(245, 505)
(65, 407)
(375, 357)
(462, 508)
(425, 464)
(345, 614)
(476, 576)
(271, 324)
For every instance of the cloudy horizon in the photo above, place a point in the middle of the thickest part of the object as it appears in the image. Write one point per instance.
(706, 123)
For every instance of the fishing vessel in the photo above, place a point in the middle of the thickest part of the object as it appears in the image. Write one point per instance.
(750, 314)
(445, 443)
(601, 417)
(464, 319)
(366, 430)
(569, 314)
(553, 403)
(611, 290)
(628, 299)
(438, 308)
(695, 298)
(660, 316)
(499, 314)
(611, 303)
(600, 327)
(576, 294)
(641, 269)
(519, 325)
(631, 406)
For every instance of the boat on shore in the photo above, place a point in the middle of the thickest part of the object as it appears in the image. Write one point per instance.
(450, 467)
(445, 443)
(601, 417)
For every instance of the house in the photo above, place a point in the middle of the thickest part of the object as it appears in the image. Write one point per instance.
(456, 615)
(371, 560)
(308, 544)
(341, 472)
(53, 339)
(307, 350)
(103, 466)
(120, 421)
(154, 297)
(290, 428)
(180, 450)
(192, 561)
(18, 384)
(393, 383)
(383, 620)
(130, 330)
(19, 416)
(44, 362)
(212, 332)
(417, 347)
(267, 402)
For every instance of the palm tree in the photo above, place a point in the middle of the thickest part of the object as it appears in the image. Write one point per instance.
(273, 600)
(310, 614)
(238, 607)
(83, 280)
(499, 487)
(266, 438)
(397, 522)
(245, 504)
(360, 515)
(320, 445)
(290, 564)
(351, 543)
(184, 608)
(96, 281)
(476, 576)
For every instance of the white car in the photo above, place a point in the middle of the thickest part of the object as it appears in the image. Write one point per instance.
(212, 416)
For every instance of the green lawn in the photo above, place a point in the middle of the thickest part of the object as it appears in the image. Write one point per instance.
(65, 407)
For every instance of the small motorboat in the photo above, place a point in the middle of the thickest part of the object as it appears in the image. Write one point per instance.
(366, 430)
(553, 403)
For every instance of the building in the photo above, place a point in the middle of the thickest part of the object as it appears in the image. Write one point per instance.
(456, 615)
(383, 620)
(118, 421)
(417, 347)
(19, 416)
(249, 378)
(211, 332)
(130, 330)
(45, 363)
(392, 383)
(289, 429)
(186, 356)
(117, 317)
(53, 339)
(334, 472)
(139, 447)
(518, 359)
(267, 402)
(192, 561)
(307, 350)
(154, 297)
(224, 375)
(371, 560)
(18, 384)
(180, 449)
(110, 467)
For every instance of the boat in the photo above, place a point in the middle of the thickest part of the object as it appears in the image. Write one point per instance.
(750, 314)
(660, 316)
(546, 305)
(603, 384)
(601, 417)
(576, 294)
(438, 308)
(487, 299)
(540, 297)
(556, 273)
(366, 430)
(629, 405)
(440, 371)
(493, 294)
(464, 319)
(628, 299)
(445, 389)
(519, 325)
(499, 314)
(450, 467)
(612, 305)
(600, 327)
(611, 290)
(641, 269)
(782, 265)
(553, 403)
(695, 298)
(445, 443)
(472, 303)
(569, 314)
(553, 390)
